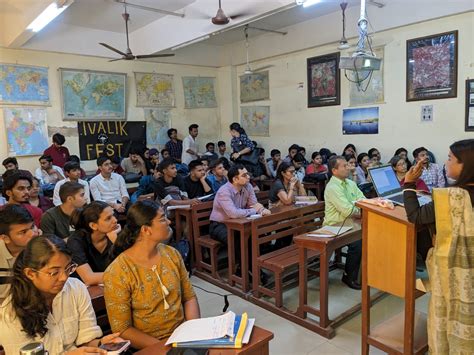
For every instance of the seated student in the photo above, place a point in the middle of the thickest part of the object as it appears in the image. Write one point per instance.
(302, 151)
(75, 159)
(210, 151)
(165, 154)
(57, 151)
(95, 232)
(432, 173)
(174, 146)
(16, 229)
(57, 220)
(72, 171)
(48, 173)
(45, 305)
(316, 166)
(262, 170)
(16, 189)
(109, 186)
(221, 150)
(169, 189)
(362, 170)
(298, 163)
(145, 188)
(275, 162)
(147, 290)
(236, 199)
(153, 161)
(218, 175)
(292, 151)
(116, 168)
(134, 163)
(375, 157)
(11, 163)
(350, 149)
(286, 186)
(340, 196)
(206, 161)
(352, 166)
(196, 184)
(402, 152)
(400, 167)
(36, 197)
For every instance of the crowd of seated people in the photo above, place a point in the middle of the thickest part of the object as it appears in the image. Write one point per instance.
(83, 237)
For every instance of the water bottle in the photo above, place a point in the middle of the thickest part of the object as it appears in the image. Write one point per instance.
(36, 348)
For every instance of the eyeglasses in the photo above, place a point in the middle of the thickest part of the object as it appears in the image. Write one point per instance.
(69, 270)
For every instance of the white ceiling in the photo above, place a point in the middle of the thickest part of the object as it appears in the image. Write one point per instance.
(87, 22)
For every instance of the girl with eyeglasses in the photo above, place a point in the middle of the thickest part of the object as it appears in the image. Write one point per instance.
(286, 186)
(147, 290)
(46, 305)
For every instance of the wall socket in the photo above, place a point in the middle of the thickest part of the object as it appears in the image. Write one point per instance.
(427, 113)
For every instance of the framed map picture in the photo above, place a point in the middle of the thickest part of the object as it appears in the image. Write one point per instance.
(93, 95)
(432, 67)
(23, 85)
(254, 87)
(469, 105)
(199, 92)
(255, 120)
(323, 80)
(154, 89)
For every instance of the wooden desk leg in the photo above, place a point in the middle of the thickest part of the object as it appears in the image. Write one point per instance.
(230, 254)
(365, 289)
(179, 228)
(303, 280)
(323, 289)
(244, 253)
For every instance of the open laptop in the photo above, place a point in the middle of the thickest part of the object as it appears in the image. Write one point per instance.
(387, 185)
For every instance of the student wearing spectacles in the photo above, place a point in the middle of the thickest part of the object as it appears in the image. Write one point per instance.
(45, 305)
(286, 186)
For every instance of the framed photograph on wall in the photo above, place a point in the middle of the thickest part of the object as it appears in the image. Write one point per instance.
(432, 67)
(469, 105)
(324, 81)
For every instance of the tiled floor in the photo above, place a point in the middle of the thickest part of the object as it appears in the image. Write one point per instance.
(294, 339)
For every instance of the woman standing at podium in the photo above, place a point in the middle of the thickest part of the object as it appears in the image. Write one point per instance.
(450, 218)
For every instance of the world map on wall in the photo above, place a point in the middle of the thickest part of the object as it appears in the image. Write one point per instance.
(26, 131)
(199, 92)
(254, 87)
(157, 125)
(154, 89)
(255, 120)
(93, 95)
(23, 85)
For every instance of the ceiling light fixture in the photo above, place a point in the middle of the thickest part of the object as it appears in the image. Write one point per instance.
(48, 15)
(307, 3)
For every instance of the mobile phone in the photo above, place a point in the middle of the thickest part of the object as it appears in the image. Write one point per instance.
(187, 351)
(115, 348)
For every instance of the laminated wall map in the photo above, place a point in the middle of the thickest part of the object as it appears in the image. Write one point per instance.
(23, 85)
(92, 95)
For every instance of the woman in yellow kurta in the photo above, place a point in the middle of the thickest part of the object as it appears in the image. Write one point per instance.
(147, 289)
(450, 217)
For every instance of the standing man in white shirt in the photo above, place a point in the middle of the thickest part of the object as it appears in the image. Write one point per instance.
(109, 186)
(73, 174)
(190, 147)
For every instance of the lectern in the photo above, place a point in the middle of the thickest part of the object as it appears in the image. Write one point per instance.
(389, 265)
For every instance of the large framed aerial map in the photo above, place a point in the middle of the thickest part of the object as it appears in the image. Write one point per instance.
(199, 92)
(154, 90)
(26, 130)
(23, 85)
(93, 95)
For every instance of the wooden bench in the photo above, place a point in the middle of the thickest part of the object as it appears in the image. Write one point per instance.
(98, 303)
(281, 226)
(263, 197)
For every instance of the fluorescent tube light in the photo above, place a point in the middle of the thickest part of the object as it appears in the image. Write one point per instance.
(307, 3)
(48, 15)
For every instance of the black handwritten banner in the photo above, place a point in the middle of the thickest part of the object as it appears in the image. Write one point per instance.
(110, 138)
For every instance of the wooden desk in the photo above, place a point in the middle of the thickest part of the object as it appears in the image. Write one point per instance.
(258, 345)
(325, 247)
(243, 226)
(389, 264)
(98, 303)
(318, 187)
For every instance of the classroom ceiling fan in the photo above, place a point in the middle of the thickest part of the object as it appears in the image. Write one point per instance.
(222, 19)
(128, 55)
(248, 70)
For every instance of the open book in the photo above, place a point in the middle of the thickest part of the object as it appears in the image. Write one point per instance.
(305, 200)
(329, 231)
(226, 331)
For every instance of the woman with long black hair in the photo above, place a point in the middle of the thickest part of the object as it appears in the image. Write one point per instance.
(46, 305)
(450, 218)
(147, 289)
(243, 149)
(286, 186)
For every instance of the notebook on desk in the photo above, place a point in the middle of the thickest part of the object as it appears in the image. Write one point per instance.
(387, 186)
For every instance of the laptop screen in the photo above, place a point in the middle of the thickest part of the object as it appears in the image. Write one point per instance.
(385, 180)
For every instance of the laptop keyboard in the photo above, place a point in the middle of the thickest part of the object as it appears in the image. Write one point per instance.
(397, 198)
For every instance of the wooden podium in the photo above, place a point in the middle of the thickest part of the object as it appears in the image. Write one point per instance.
(389, 265)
